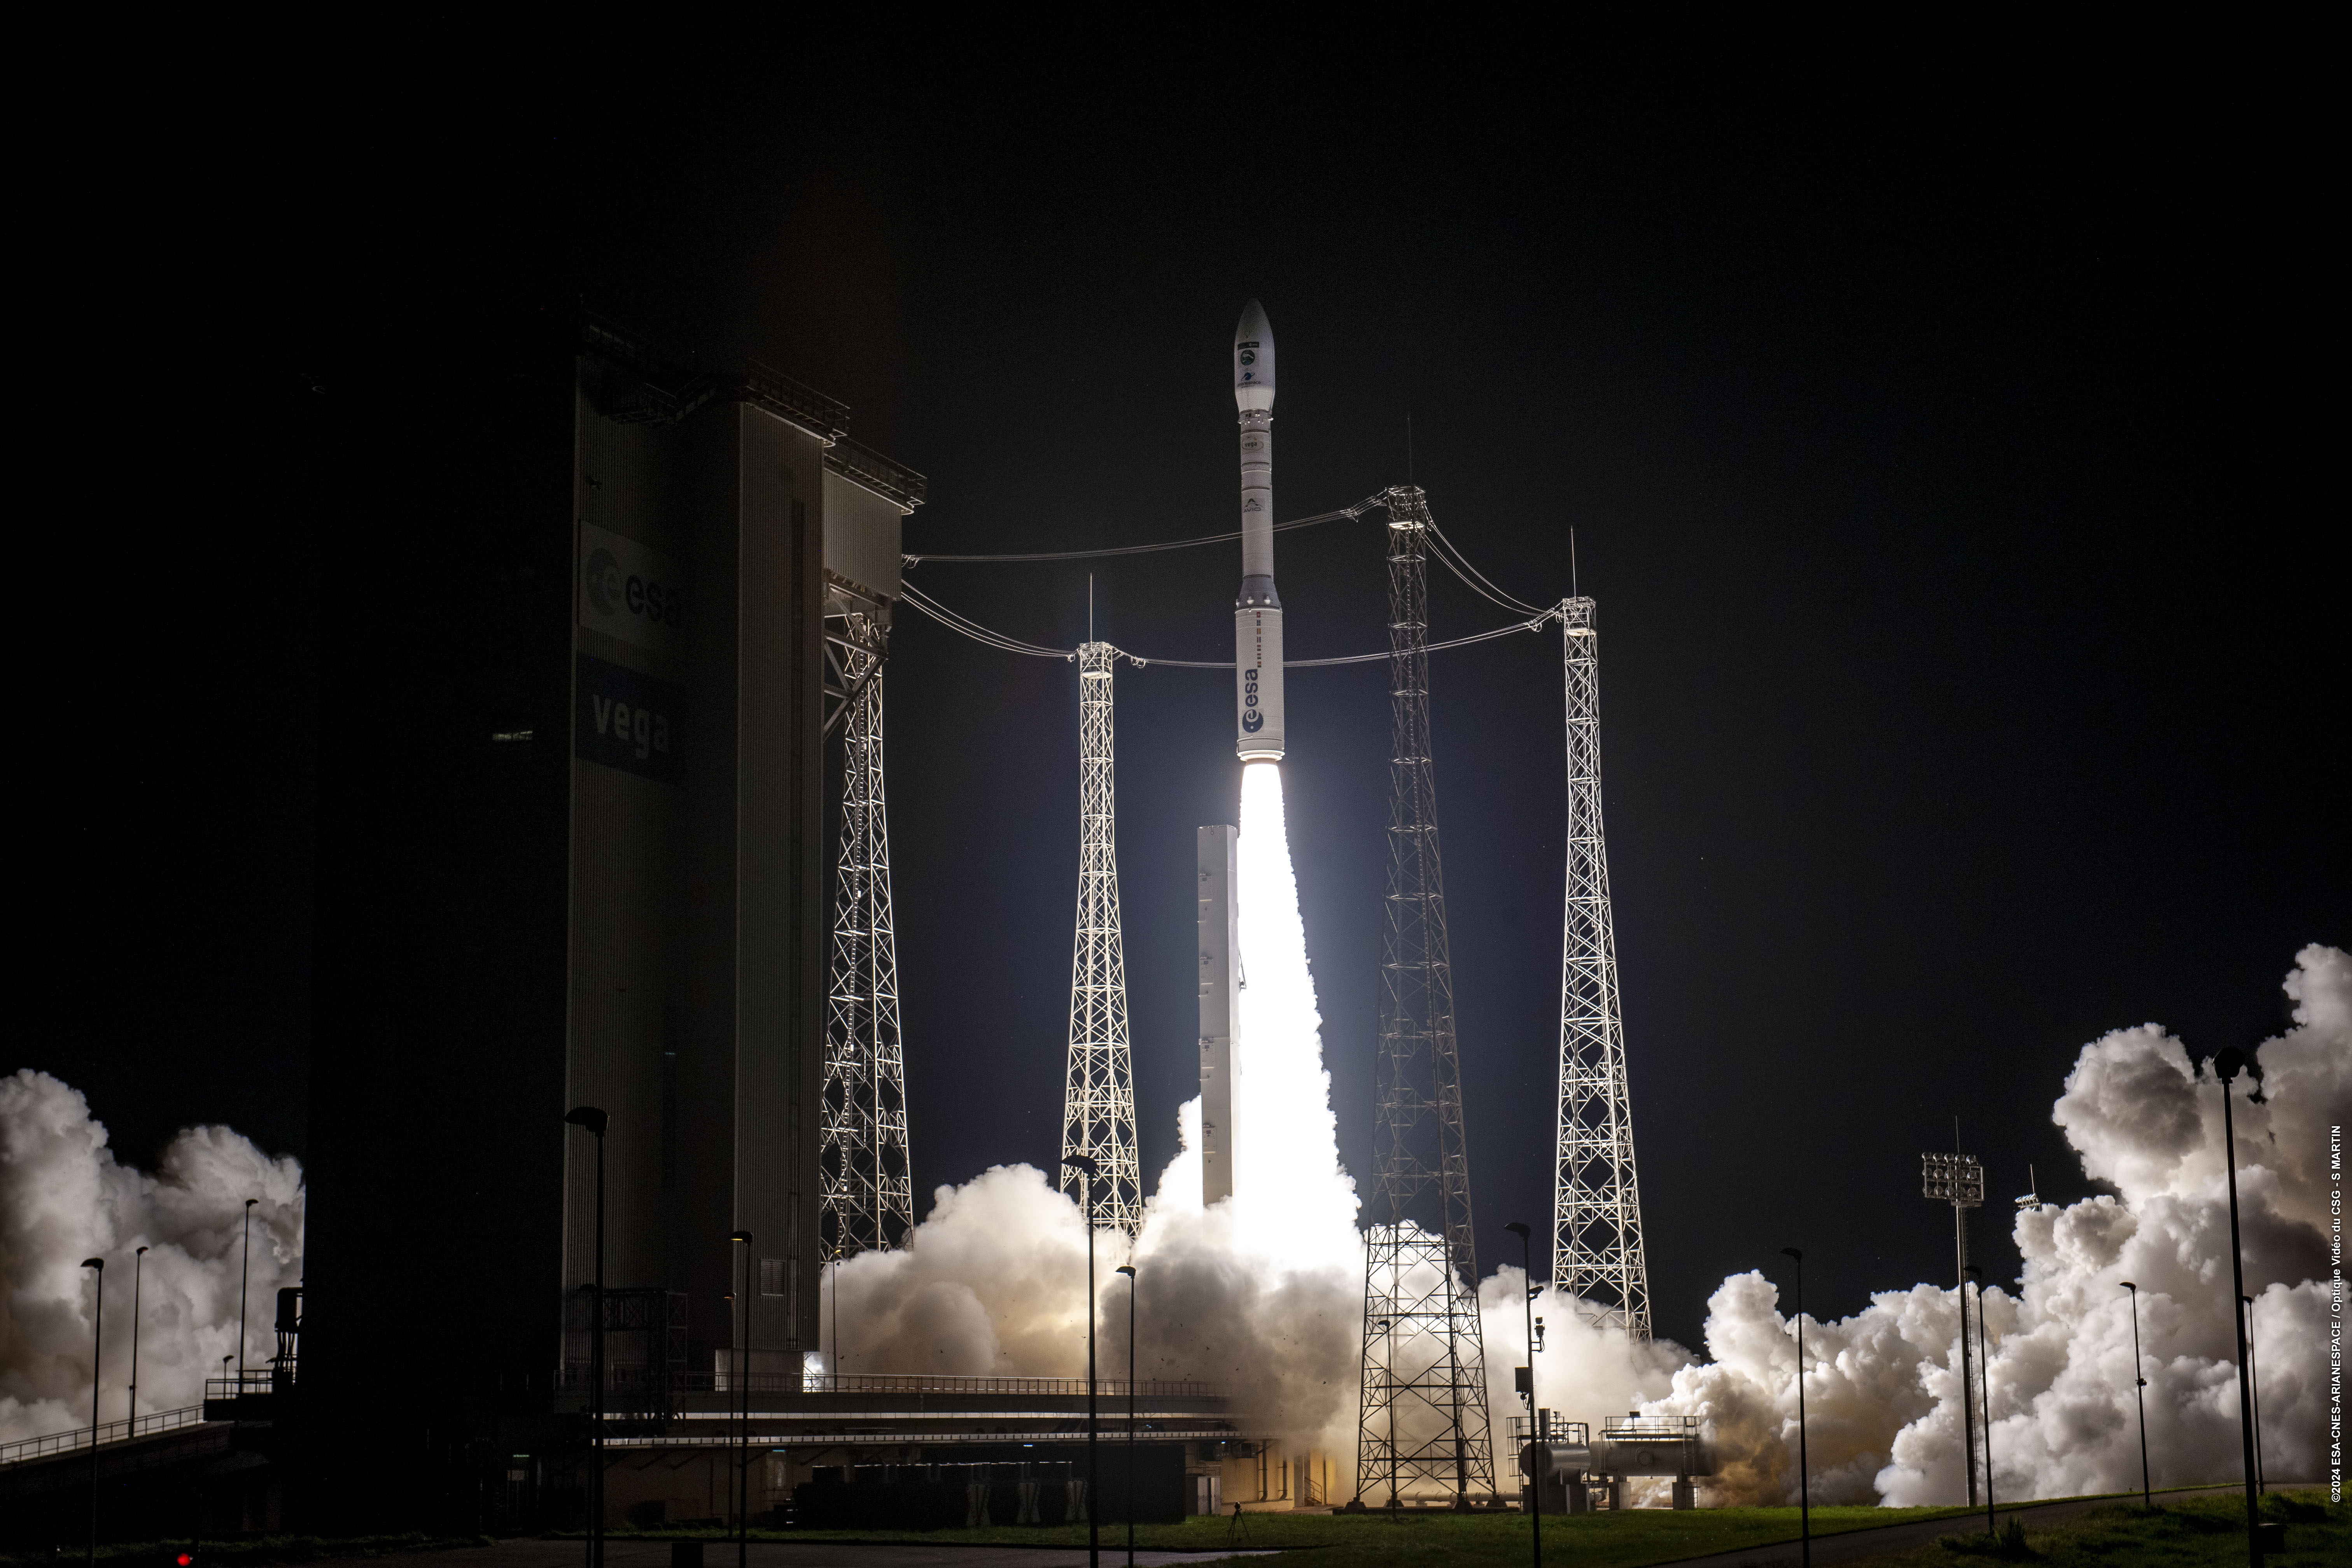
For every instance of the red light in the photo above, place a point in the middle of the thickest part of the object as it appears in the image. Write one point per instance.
(185, 1560)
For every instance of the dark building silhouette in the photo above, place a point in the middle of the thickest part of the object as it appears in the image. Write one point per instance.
(571, 811)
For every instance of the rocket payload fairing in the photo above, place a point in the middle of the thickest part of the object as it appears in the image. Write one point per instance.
(1257, 611)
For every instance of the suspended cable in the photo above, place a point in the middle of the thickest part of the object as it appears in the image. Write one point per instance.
(975, 630)
(1451, 555)
(999, 640)
(1361, 506)
(1140, 659)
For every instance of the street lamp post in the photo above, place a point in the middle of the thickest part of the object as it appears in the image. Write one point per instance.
(244, 1280)
(2254, 1374)
(2227, 1064)
(97, 1326)
(596, 1122)
(1984, 1364)
(1537, 1452)
(1804, 1477)
(137, 1268)
(1087, 1168)
(2139, 1393)
(743, 1431)
(1129, 1270)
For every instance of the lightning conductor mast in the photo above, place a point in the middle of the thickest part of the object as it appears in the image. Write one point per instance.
(1258, 613)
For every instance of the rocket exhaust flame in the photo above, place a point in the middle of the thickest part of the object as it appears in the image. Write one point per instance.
(1259, 1291)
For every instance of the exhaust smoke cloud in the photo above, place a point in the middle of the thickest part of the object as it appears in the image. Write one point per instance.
(1882, 1386)
(1263, 1291)
(64, 1197)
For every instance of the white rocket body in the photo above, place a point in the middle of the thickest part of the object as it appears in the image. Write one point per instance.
(1257, 611)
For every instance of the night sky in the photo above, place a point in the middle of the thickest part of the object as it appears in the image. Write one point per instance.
(1945, 454)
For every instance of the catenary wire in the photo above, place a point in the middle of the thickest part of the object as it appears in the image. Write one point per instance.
(1448, 553)
(973, 629)
(987, 638)
(1140, 660)
(1450, 556)
(1361, 506)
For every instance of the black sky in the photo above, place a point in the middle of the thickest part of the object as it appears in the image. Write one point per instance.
(1945, 450)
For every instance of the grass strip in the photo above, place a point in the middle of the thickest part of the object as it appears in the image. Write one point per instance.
(2187, 1532)
(254, 1549)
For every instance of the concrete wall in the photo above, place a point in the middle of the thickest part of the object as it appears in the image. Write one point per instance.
(517, 913)
(863, 536)
(696, 955)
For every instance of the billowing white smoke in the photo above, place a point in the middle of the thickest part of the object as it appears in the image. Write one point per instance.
(1882, 1387)
(64, 1198)
(1264, 1291)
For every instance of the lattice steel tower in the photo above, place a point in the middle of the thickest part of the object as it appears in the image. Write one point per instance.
(868, 1198)
(1596, 1197)
(1421, 1421)
(1099, 1095)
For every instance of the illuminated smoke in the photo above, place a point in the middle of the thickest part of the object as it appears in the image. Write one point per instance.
(63, 1197)
(1263, 1292)
(1882, 1386)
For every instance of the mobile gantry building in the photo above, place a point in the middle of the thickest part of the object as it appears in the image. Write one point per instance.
(572, 850)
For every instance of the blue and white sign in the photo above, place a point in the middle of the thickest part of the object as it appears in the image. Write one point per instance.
(626, 721)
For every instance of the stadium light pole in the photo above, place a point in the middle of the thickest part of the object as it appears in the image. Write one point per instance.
(97, 1325)
(2139, 1393)
(1129, 1270)
(2254, 1373)
(1804, 1477)
(596, 1122)
(138, 1269)
(1957, 1179)
(1086, 1169)
(1984, 1365)
(1537, 1452)
(743, 1395)
(2227, 1064)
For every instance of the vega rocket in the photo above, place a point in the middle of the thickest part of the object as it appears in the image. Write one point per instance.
(1257, 611)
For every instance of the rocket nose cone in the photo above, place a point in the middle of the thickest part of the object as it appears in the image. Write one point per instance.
(1254, 324)
(1254, 359)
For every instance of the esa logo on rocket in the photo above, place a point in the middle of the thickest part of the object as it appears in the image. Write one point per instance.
(1252, 719)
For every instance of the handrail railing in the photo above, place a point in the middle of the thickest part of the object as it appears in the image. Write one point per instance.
(918, 1382)
(41, 1447)
(253, 1379)
(573, 1377)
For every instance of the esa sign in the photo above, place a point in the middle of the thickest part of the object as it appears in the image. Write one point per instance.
(629, 591)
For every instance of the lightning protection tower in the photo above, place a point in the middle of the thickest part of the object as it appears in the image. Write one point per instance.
(868, 1196)
(1099, 1095)
(1421, 1418)
(1597, 1254)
